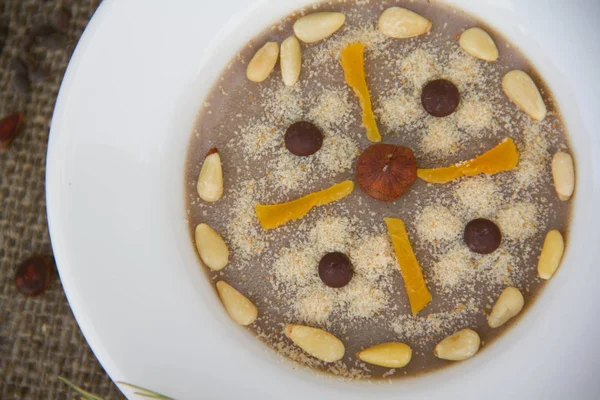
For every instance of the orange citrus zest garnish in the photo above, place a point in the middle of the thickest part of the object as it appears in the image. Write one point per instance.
(503, 157)
(416, 289)
(274, 215)
(354, 70)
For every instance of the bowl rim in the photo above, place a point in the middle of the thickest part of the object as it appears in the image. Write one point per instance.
(68, 187)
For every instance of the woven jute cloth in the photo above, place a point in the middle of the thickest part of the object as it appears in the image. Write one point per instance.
(39, 338)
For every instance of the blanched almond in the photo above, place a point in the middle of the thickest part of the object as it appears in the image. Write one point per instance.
(563, 174)
(317, 26)
(478, 43)
(211, 247)
(400, 23)
(552, 253)
(316, 342)
(462, 345)
(210, 180)
(521, 90)
(509, 304)
(290, 60)
(263, 62)
(389, 355)
(239, 308)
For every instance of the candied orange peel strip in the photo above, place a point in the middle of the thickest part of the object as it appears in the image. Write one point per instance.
(503, 157)
(416, 289)
(274, 215)
(353, 64)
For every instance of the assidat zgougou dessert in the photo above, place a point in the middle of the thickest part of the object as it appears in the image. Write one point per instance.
(378, 189)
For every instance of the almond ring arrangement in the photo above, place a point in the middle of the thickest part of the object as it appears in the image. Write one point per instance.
(384, 172)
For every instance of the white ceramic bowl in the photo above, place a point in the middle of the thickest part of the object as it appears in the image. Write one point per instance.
(116, 210)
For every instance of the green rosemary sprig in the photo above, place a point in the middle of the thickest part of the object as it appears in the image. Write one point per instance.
(142, 392)
(84, 395)
(146, 393)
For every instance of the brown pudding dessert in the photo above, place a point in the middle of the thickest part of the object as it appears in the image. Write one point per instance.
(378, 188)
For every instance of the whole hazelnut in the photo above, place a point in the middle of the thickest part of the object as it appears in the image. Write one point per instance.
(33, 276)
(385, 171)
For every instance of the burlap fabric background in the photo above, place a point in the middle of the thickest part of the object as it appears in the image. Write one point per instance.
(39, 338)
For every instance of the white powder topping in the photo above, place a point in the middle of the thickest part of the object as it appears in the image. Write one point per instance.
(533, 157)
(458, 270)
(419, 67)
(244, 232)
(437, 223)
(441, 137)
(398, 109)
(519, 221)
(293, 352)
(348, 374)
(312, 302)
(257, 138)
(331, 234)
(495, 268)
(463, 69)
(332, 108)
(331, 49)
(288, 172)
(479, 196)
(337, 154)
(389, 373)
(282, 104)
(418, 329)
(364, 299)
(315, 304)
(474, 115)
(373, 257)
(296, 267)
(454, 269)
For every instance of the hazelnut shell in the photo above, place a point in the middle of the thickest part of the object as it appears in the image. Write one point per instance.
(385, 171)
